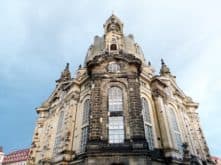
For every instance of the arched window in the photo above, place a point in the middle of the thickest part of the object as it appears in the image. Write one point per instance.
(147, 123)
(175, 129)
(113, 47)
(116, 121)
(85, 124)
(58, 138)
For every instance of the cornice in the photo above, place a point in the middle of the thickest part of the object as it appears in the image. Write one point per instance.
(129, 58)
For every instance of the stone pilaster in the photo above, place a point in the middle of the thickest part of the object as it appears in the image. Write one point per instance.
(94, 122)
(68, 135)
(38, 134)
(135, 110)
(162, 120)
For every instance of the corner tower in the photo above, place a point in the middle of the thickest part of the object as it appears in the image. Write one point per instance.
(116, 110)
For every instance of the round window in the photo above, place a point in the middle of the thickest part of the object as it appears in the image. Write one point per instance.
(113, 67)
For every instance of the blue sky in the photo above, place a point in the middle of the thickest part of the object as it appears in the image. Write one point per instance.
(37, 38)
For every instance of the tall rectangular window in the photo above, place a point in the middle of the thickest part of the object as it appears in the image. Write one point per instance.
(84, 135)
(175, 130)
(86, 112)
(116, 121)
(149, 136)
(58, 140)
(116, 129)
(85, 124)
(115, 100)
(147, 123)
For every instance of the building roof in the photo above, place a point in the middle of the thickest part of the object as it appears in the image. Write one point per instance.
(216, 160)
(16, 156)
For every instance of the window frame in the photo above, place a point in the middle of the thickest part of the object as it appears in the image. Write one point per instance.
(115, 99)
(85, 124)
(113, 47)
(115, 112)
(113, 67)
(86, 112)
(175, 129)
(58, 138)
(148, 125)
(116, 129)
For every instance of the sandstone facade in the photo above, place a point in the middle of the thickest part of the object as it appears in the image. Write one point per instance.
(116, 110)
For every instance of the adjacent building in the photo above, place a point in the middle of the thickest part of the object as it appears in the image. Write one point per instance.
(117, 111)
(19, 157)
(216, 160)
(1, 155)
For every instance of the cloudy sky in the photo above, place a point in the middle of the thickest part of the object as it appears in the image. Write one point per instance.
(38, 37)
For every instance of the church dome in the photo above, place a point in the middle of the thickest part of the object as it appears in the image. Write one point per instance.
(114, 41)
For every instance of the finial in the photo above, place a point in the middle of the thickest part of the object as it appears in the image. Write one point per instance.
(65, 75)
(162, 62)
(67, 66)
(164, 69)
(79, 67)
(113, 23)
(112, 12)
